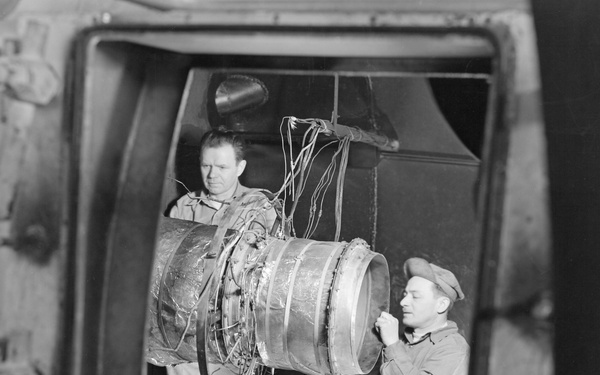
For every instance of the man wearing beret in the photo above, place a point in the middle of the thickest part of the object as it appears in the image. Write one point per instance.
(431, 344)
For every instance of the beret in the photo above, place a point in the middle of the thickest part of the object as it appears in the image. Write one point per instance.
(437, 275)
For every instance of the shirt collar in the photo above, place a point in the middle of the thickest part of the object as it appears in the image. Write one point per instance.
(204, 199)
(435, 336)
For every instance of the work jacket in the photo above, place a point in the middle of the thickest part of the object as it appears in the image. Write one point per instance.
(441, 352)
(196, 206)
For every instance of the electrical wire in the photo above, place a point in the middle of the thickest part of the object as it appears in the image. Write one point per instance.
(345, 146)
(297, 169)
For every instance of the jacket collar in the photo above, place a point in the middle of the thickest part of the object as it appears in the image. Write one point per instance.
(435, 336)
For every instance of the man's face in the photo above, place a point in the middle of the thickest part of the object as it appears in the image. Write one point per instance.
(220, 171)
(419, 305)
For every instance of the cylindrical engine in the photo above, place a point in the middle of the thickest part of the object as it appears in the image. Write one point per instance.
(295, 304)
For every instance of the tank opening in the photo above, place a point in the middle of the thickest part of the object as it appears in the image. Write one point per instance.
(367, 310)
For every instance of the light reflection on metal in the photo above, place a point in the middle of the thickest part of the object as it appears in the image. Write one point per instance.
(239, 92)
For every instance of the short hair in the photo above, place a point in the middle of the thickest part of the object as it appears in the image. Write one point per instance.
(439, 292)
(218, 138)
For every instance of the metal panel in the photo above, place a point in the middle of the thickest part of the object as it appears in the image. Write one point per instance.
(311, 44)
(129, 107)
(427, 208)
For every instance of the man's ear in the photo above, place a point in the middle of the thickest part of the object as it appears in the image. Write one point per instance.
(443, 303)
(240, 167)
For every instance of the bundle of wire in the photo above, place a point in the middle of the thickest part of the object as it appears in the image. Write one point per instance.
(299, 169)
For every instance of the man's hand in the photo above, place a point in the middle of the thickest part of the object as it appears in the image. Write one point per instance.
(387, 326)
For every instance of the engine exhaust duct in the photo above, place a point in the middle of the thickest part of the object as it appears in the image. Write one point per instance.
(293, 304)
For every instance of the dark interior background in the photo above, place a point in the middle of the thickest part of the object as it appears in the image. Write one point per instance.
(571, 93)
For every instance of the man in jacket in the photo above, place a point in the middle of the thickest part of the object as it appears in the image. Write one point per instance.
(431, 344)
(221, 164)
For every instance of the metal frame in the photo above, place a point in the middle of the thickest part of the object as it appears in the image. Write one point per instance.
(109, 300)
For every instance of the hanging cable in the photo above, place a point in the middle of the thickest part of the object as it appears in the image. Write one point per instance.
(319, 195)
(345, 146)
